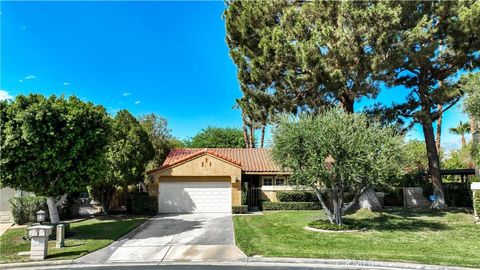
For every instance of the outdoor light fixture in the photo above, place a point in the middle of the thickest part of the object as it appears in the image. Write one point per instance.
(41, 216)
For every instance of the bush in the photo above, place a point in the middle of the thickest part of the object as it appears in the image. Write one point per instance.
(24, 209)
(244, 190)
(242, 209)
(326, 225)
(296, 196)
(394, 197)
(143, 204)
(266, 206)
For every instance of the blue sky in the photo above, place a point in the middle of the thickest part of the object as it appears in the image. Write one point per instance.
(169, 58)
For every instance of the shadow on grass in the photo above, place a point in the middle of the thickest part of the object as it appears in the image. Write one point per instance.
(62, 255)
(402, 219)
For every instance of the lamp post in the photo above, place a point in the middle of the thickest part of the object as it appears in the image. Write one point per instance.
(41, 216)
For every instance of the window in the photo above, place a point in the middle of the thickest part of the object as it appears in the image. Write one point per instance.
(268, 181)
(279, 181)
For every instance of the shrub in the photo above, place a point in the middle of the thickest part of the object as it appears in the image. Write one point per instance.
(394, 197)
(24, 209)
(244, 189)
(266, 206)
(326, 225)
(143, 204)
(242, 209)
(296, 196)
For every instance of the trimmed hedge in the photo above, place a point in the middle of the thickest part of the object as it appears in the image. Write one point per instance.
(326, 225)
(296, 196)
(24, 209)
(242, 209)
(143, 204)
(266, 206)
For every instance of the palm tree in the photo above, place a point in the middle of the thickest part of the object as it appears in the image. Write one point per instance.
(461, 129)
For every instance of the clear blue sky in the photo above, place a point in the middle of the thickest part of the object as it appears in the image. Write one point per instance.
(169, 58)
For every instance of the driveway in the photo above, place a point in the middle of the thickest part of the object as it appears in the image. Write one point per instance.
(176, 237)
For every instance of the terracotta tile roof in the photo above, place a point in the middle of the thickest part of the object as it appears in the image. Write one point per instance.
(249, 159)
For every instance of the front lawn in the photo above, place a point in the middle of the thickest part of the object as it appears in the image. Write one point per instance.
(423, 236)
(89, 235)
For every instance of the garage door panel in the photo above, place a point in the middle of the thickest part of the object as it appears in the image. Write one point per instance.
(195, 197)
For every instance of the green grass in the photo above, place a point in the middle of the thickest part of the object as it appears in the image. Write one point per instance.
(423, 236)
(89, 235)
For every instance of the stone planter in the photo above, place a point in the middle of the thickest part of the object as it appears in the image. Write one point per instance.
(476, 200)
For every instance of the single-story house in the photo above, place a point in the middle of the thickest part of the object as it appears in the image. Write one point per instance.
(210, 179)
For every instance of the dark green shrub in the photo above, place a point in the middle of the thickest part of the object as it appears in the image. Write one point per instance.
(244, 189)
(24, 209)
(242, 209)
(326, 225)
(296, 196)
(143, 204)
(394, 197)
(266, 206)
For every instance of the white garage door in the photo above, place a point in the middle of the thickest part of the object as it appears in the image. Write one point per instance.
(195, 197)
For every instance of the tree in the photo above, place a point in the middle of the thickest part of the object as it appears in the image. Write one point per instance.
(216, 137)
(129, 152)
(159, 134)
(336, 151)
(52, 146)
(306, 55)
(415, 157)
(470, 84)
(461, 130)
(434, 42)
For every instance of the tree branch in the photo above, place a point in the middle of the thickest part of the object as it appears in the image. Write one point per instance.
(350, 204)
(322, 202)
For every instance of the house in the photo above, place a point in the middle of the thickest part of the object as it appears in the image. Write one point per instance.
(211, 179)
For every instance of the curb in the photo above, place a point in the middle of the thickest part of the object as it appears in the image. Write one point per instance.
(358, 263)
(251, 261)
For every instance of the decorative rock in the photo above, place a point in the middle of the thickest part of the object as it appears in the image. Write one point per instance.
(39, 241)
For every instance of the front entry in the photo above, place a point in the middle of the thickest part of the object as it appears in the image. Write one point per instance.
(194, 197)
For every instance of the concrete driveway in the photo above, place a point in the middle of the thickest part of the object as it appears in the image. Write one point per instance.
(176, 237)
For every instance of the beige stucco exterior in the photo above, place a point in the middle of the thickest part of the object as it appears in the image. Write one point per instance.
(203, 168)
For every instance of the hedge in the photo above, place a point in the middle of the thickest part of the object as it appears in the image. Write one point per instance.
(142, 204)
(24, 209)
(296, 196)
(290, 206)
(242, 209)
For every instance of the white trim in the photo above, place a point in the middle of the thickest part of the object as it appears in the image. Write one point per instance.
(475, 186)
(277, 188)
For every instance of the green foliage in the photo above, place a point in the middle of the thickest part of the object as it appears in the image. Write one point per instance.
(458, 159)
(244, 190)
(51, 146)
(470, 84)
(339, 151)
(272, 206)
(394, 197)
(326, 225)
(296, 53)
(24, 209)
(242, 209)
(215, 137)
(415, 156)
(143, 204)
(159, 134)
(129, 151)
(296, 196)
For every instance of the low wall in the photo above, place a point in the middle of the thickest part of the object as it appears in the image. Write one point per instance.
(476, 200)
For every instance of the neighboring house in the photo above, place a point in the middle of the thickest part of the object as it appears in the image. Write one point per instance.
(5, 195)
(211, 179)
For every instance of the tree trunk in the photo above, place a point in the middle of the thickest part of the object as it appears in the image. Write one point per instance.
(473, 124)
(245, 132)
(53, 210)
(433, 163)
(252, 130)
(262, 136)
(369, 200)
(439, 128)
